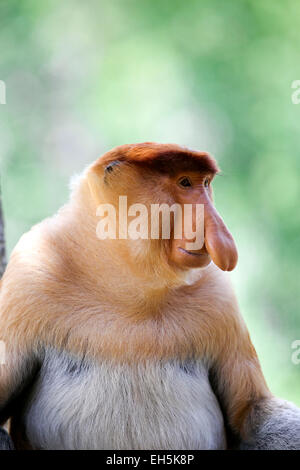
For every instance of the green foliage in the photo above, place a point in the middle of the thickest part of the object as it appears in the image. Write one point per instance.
(82, 77)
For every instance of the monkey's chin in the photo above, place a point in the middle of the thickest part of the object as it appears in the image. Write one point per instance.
(191, 259)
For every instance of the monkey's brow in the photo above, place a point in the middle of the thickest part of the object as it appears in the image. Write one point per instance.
(173, 165)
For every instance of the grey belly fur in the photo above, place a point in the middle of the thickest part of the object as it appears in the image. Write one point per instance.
(90, 405)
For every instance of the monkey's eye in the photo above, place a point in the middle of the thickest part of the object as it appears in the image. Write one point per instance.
(206, 182)
(185, 182)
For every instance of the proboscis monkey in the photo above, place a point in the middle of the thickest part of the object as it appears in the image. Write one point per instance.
(125, 343)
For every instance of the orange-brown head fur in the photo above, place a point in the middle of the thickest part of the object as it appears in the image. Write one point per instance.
(151, 173)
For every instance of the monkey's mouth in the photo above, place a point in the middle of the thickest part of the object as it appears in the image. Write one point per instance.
(192, 253)
(192, 259)
(189, 259)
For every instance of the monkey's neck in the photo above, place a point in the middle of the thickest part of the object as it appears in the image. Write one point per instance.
(106, 266)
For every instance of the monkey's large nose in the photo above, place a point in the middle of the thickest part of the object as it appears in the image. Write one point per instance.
(219, 241)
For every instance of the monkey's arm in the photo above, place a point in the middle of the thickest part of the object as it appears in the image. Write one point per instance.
(16, 375)
(5, 440)
(8, 388)
(272, 424)
(256, 418)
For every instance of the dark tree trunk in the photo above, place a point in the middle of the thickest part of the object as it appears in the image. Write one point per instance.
(2, 241)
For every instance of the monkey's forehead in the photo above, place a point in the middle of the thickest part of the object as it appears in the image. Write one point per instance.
(163, 156)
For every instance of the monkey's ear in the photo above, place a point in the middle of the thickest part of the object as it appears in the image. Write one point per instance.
(95, 178)
(110, 167)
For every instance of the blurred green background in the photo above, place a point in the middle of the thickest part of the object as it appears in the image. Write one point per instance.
(82, 77)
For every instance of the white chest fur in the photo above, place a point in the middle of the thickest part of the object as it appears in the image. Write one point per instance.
(85, 405)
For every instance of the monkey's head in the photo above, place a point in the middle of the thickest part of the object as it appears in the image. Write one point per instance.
(151, 174)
